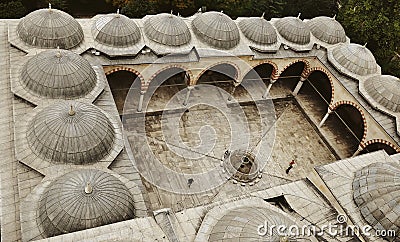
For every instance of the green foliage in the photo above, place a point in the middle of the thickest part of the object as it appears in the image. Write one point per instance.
(12, 9)
(378, 24)
(140, 8)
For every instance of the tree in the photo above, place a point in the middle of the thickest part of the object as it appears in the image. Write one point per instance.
(139, 8)
(12, 9)
(376, 23)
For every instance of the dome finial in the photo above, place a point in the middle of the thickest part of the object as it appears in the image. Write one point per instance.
(298, 16)
(365, 45)
(49, 6)
(71, 111)
(334, 16)
(171, 14)
(58, 54)
(88, 188)
(262, 16)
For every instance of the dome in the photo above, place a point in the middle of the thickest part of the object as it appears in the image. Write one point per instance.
(258, 30)
(377, 195)
(385, 90)
(71, 132)
(167, 29)
(293, 30)
(216, 29)
(355, 58)
(240, 224)
(241, 166)
(58, 74)
(50, 28)
(116, 30)
(84, 199)
(327, 30)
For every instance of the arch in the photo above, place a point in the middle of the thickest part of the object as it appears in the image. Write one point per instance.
(209, 68)
(336, 105)
(129, 69)
(378, 144)
(275, 70)
(328, 75)
(189, 72)
(305, 71)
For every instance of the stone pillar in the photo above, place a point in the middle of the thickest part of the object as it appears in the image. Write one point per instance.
(140, 105)
(325, 118)
(268, 88)
(187, 95)
(359, 149)
(235, 84)
(298, 86)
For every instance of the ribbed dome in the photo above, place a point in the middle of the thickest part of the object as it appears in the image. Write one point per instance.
(58, 74)
(167, 29)
(385, 90)
(293, 30)
(81, 136)
(241, 166)
(116, 30)
(377, 194)
(216, 29)
(84, 199)
(327, 30)
(355, 58)
(258, 30)
(50, 28)
(241, 224)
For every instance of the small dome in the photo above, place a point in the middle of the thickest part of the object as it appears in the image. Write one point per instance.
(71, 132)
(377, 195)
(167, 29)
(216, 29)
(116, 30)
(355, 58)
(293, 30)
(50, 28)
(241, 224)
(241, 166)
(258, 30)
(327, 30)
(84, 199)
(58, 74)
(385, 90)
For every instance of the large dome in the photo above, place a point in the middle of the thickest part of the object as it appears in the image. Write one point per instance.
(58, 74)
(294, 30)
(258, 30)
(327, 30)
(167, 29)
(71, 132)
(385, 90)
(50, 28)
(354, 58)
(84, 199)
(116, 30)
(217, 30)
(377, 195)
(241, 224)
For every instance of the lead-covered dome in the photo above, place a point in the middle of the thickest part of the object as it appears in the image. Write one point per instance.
(385, 90)
(294, 30)
(216, 29)
(116, 30)
(71, 132)
(50, 28)
(327, 30)
(84, 199)
(354, 58)
(167, 29)
(377, 195)
(58, 74)
(258, 30)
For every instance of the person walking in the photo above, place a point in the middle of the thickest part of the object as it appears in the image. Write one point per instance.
(291, 164)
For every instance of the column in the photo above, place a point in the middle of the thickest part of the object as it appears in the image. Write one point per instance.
(189, 89)
(272, 81)
(139, 109)
(298, 86)
(235, 84)
(325, 118)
